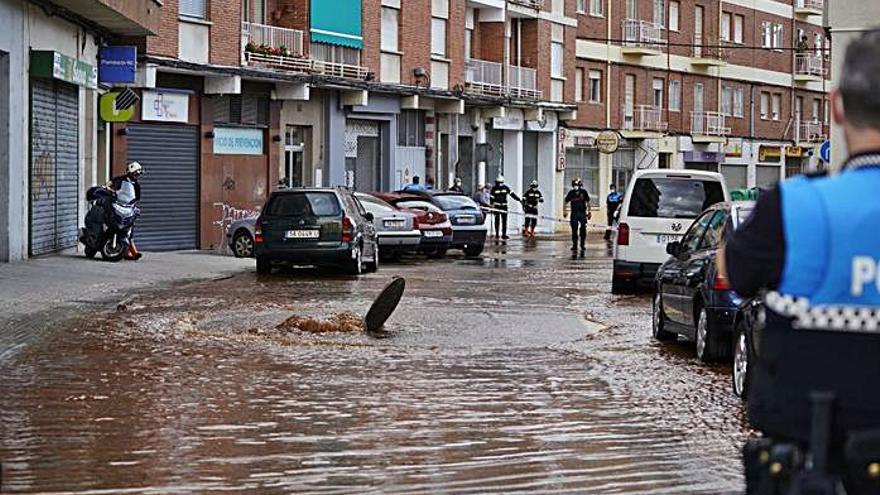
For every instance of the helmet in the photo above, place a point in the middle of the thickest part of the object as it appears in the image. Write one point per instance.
(135, 168)
(577, 182)
(500, 178)
(534, 183)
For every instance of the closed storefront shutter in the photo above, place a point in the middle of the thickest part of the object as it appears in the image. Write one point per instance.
(54, 168)
(169, 188)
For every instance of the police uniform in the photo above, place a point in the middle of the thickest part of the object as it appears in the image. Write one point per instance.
(814, 243)
(580, 206)
(499, 194)
(612, 203)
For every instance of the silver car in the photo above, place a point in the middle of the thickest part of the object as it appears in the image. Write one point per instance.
(240, 237)
(397, 230)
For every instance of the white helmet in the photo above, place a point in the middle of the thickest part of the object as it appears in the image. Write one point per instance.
(500, 178)
(135, 168)
(534, 183)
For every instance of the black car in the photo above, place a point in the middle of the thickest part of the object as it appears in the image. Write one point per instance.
(746, 344)
(691, 298)
(320, 226)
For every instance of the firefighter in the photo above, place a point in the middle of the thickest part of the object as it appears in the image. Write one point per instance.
(499, 194)
(530, 201)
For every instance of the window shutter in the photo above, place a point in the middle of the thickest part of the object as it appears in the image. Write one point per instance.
(193, 8)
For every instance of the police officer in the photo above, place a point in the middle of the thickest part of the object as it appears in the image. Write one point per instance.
(530, 201)
(579, 200)
(499, 195)
(456, 187)
(814, 243)
(612, 203)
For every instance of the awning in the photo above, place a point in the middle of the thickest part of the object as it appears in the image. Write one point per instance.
(337, 22)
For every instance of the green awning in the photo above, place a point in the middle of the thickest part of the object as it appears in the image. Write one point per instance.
(337, 22)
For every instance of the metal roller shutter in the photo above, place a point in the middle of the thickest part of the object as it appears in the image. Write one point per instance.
(169, 188)
(54, 174)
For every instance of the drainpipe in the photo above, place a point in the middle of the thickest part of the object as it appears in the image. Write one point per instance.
(505, 70)
(608, 69)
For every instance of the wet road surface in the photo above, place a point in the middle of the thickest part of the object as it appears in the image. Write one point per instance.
(516, 372)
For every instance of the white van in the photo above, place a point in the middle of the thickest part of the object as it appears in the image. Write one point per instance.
(659, 207)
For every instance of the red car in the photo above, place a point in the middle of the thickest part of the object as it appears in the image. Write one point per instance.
(432, 222)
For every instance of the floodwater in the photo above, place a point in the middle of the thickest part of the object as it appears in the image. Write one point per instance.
(518, 372)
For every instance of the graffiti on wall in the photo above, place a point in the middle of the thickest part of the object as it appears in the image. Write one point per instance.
(43, 167)
(227, 215)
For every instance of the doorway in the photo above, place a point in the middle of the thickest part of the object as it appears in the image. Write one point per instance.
(362, 173)
(465, 167)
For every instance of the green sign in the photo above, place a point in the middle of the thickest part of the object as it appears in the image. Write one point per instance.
(56, 65)
(110, 113)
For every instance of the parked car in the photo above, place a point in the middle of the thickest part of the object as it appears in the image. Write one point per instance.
(316, 226)
(659, 207)
(240, 237)
(397, 229)
(468, 221)
(691, 297)
(432, 222)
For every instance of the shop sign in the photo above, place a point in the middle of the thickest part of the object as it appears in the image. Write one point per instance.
(769, 154)
(608, 142)
(238, 141)
(117, 64)
(560, 149)
(585, 142)
(56, 65)
(509, 123)
(733, 148)
(110, 111)
(165, 106)
(703, 156)
(794, 151)
(547, 124)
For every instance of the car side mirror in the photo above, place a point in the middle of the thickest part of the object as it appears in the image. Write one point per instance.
(673, 248)
(369, 216)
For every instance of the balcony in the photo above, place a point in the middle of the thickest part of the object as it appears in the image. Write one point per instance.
(283, 49)
(706, 52)
(533, 4)
(809, 67)
(642, 122)
(641, 38)
(709, 127)
(122, 17)
(806, 8)
(487, 78)
(810, 132)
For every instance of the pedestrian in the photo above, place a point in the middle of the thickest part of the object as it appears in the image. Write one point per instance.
(456, 186)
(415, 185)
(128, 191)
(813, 243)
(483, 198)
(530, 201)
(429, 183)
(579, 200)
(612, 203)
(499, 194)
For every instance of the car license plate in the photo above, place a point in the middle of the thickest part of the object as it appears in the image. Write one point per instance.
(467, 220)
(667, 238)
(394, 224)
(303, 234)
(433, 233)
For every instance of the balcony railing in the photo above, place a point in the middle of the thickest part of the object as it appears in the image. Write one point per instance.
(287, 41)
(487, 78)
(535, 4)
(644, 118)
(809, 5)
(307, 65)
(642, 34)
(709, 124)
(810, 131)
(706, 48)
(809, 65)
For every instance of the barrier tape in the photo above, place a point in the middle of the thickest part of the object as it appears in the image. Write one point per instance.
(544, 217)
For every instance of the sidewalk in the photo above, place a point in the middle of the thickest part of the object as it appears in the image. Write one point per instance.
(36, 293)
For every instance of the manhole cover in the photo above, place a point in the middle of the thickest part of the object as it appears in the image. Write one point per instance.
(384, 305)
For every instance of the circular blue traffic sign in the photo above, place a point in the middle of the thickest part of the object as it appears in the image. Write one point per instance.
(825, 151)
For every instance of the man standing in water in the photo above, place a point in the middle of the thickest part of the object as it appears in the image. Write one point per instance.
(580, 214)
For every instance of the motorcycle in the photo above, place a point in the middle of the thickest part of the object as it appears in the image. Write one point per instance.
(109, 222)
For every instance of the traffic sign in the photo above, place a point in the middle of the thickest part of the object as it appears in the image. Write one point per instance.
(825, 151)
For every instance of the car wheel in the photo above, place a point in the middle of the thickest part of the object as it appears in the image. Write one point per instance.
(473, 250)
(619, 286)
(356, 264)
(658, 321)
(740, 363)
(438, 253)
(243, 244)
(111, 253)
(373, 266)
(707, 345)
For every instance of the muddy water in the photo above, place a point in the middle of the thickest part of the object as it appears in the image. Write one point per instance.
(494, 379)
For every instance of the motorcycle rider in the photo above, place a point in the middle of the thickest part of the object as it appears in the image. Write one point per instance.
(128, 191)
(814, 244)
(530, 200)
(499, 194)
(579, 199)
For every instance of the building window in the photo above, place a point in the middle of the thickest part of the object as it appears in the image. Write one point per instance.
(725, 26)
(582, 163)
(818, 43)
(777, 106)
(597, 8)
(390, 29)
(674, 95)
(241, 110)
(557, 7)
(334, 53)
(579, 84)
(726, 100)
(438, 37)
(411, 128)
(674, 7)
(660, 12)
(766, 34)
(738, 102)
(657, 85)
(595, 86)
(254, 11)
(557, 55)
(581, 6)
(827, 108)
(817, 104)
(778, 30)
(738, 22)
(195, 8)
(765, 105)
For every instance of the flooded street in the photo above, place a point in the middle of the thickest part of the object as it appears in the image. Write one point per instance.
(516, 372)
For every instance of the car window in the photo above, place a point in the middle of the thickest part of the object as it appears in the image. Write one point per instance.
(418, 205)
(691, 240)
(662, 197)
(374, 205)
(714, 230)
(319, 204)
(455, 202)
(356, 204)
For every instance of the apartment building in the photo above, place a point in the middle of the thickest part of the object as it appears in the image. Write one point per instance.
(735, 86)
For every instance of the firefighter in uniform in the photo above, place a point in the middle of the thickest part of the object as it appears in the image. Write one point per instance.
(813, 243)
(530, 201)
(499, 195)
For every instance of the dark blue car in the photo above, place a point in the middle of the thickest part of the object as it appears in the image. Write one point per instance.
(690, 297)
